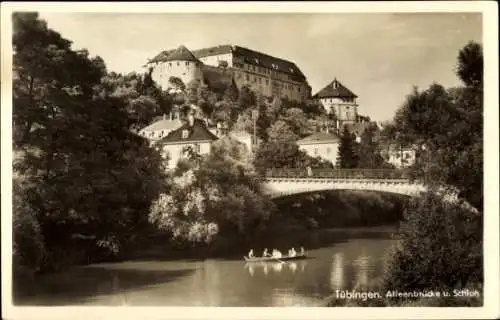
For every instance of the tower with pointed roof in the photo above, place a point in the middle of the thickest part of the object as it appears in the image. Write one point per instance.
(336, 98)
(180, 63)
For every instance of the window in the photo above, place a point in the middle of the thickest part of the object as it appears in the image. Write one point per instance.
(185, 134)
(248, 77)
(177, 63)
(267, 82)
(328, 150)
(315, 151)
(170, 64)
(197, 148)
(187, 63)
(298, 89)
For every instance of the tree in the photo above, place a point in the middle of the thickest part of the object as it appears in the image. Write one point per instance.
(82, 165)
(177, 84)
(347, 158)
(368, 151)
(285, 154)
(221, 197)
(433, 230)
(281, 131)
(263, 123)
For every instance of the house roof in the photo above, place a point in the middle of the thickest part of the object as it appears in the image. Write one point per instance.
(164, 124)
(180, 54)
(319, 137)
(245, 55)
(335, 89)
(197, 132)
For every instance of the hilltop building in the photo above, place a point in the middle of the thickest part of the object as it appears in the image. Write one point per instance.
(341, 101)
(265, 74)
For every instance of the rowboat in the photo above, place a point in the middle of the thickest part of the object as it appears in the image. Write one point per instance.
(272, 259)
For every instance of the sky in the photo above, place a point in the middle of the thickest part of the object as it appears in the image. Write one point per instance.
(378, 56)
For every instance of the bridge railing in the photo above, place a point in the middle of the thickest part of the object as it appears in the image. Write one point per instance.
(390, 174)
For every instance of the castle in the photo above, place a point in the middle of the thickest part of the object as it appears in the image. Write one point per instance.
(263, 73)
(225, 65)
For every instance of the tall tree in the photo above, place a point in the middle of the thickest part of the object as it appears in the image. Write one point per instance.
(347, 157)
(81, 165)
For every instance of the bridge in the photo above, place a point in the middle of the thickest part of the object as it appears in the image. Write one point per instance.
(283, 182)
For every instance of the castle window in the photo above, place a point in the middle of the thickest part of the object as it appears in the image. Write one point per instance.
(197, 148)
(177, 63)
(298, 89)
(170, 64)
(185, 134)
(267, 82)
(187, 63)
(315, 151)
(248, 77)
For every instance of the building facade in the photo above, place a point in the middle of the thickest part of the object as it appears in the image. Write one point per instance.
(339, 100)
(265, 74)
(322, 144)
(194, 134)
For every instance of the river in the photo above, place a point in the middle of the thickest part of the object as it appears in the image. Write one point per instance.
(341, 265)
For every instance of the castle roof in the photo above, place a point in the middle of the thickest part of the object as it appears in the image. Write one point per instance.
(244, 55)
(198, 132)
(180, 54)
(319, 137)
(164, 124)
(335, 89)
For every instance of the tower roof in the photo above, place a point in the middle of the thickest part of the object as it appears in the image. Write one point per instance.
(180, 54)
(335, 89)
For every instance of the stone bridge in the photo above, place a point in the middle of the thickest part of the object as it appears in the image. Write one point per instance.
(283, 182)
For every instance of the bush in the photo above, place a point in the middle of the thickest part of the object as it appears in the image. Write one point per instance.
(440, 248)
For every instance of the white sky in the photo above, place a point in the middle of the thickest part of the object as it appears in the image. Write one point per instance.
(379, 56)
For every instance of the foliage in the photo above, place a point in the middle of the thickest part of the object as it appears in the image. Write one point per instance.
(440, 249)
(447, 127)
(88, 174)
(369, 151)
(144, 100)
(347, 157)
(281, 131)
(221, 196)
(285, 154)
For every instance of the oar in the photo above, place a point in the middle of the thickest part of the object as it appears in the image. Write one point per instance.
(279, 260)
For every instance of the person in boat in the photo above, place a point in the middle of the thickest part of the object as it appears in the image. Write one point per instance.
(302, 252)
(277, 254)
(265, 253)
(292, 253)
(250, 254)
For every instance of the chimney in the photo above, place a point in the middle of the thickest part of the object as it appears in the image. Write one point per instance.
(191, 118)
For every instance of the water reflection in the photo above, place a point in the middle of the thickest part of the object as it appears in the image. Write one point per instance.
(337, 272)
(224, 283)
(276, 267)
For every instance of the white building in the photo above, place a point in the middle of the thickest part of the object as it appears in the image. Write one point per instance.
(193, 134)
(337, 99)
(321, 144)
(161, 128)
